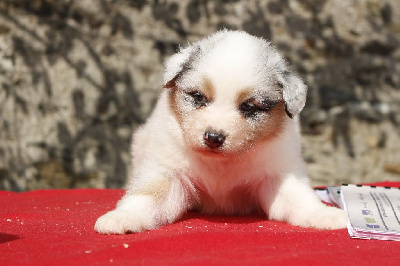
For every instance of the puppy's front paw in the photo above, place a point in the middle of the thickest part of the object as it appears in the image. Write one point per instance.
(122, 221)
(330, 218)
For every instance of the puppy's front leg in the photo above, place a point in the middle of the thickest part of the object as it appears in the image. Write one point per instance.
(295, 202)
(147, 205)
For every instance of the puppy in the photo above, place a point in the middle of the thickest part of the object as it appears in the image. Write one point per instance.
(222, 139)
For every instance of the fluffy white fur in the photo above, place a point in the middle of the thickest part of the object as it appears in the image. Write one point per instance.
(257, 168)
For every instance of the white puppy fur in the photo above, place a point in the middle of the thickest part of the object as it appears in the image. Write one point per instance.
(223, 138)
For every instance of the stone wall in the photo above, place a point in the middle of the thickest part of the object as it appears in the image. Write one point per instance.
(76, 77)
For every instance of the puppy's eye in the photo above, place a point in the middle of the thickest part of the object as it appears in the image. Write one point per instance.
(198, 98)
(247, 107)
(267, 105)
(251, 108)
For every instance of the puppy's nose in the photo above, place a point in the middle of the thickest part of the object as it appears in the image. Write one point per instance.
(214, 139)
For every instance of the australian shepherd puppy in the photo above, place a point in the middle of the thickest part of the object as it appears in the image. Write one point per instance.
(223, 139)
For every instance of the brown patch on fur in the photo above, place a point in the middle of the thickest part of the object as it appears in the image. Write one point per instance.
(208, 89)
(265, 128)
(274, 125)
(172, 91)
(157, 189)
(243, 96)
(173, 94)
(171, 84)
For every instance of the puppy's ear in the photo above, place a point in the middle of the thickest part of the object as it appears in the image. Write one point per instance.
(178, 64)
(294, 92)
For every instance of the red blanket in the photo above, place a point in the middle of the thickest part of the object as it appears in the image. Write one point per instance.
(55, 227)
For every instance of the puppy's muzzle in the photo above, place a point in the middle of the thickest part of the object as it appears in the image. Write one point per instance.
(214, 139)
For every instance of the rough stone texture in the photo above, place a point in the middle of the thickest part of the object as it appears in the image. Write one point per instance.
(76, 77)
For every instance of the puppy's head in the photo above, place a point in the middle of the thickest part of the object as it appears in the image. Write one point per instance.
(230, 92)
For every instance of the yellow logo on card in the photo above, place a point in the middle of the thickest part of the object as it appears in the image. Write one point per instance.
(370, 220)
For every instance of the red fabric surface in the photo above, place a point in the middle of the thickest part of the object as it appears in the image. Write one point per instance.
(55, 227)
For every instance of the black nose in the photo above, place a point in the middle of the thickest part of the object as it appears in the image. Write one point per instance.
(214, 139)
